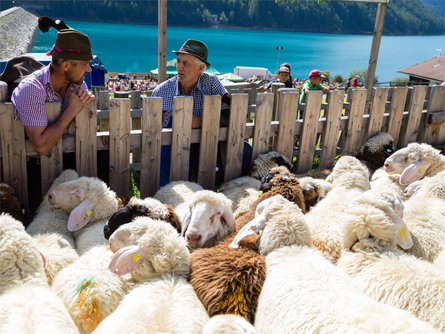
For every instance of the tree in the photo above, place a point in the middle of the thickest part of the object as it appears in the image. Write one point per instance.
(338, 78)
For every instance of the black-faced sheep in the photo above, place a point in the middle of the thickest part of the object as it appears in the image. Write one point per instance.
(11, 204)
(376, 150)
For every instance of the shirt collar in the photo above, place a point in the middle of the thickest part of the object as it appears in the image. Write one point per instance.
(197, 86)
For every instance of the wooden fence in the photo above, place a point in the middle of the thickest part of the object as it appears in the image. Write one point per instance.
(408, 114)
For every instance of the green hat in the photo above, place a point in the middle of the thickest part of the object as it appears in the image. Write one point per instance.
(72, 45)
(195, 48)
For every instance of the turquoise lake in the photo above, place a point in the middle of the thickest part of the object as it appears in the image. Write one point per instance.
(134, 48)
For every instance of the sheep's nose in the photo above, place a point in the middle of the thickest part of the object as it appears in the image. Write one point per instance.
(193, 238)
(50, 197)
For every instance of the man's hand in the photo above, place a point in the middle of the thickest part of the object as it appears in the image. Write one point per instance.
(196, 122)
(78, 99)
(85, 95)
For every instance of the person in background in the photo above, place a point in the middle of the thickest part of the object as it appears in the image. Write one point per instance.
(191, 80)
(313, 83)
(355, 81)
(348, 84)
(284, 76)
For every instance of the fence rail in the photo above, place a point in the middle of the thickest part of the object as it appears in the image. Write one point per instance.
(408, 114)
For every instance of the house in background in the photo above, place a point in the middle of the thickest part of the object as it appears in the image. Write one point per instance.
(428, 72)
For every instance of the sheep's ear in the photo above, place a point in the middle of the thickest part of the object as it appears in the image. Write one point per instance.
(43, 259)
(126, 260)
(403, 236)
(414, 172)
(228, 218)
(80, 216)
(254, 226)
(186, 221)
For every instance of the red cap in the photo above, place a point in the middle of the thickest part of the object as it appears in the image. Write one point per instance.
(316, 73)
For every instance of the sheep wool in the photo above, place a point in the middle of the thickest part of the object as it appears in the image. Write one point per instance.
(228, 324)
(242, 191)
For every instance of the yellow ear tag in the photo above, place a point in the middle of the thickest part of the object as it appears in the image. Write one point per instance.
(136, 257)
(260, 193)
(421, 170)
(89, 213)
(402, 232)
(23, 211)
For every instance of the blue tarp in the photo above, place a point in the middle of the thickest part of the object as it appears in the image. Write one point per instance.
(95, 78)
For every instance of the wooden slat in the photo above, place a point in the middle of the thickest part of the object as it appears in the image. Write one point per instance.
(209, 141)
(332, 129)
(396, 114)
(151, 145)
(12, 138)
(235, 137)
(355, 122)
(51, 164)
(435, 133)
(135, 98)
(119, 177)
(103, 100)
(275, 87)
(377, 111)
(308, 135)
(415, 114)
(86, 142)
(181, 138)
(263, 116)
(288, 115)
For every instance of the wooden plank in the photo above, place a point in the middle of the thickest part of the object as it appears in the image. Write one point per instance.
(181, 138)
(377, 110)
(396, 113)
(119, 177)
(209, 141)
(151, 145)
(355, 120)
(415, 114)
(288, 115)
(263, 117)
(162, 40)
(103, 100)
(51, 163)
(135, 98)
(235, 137)
(12, 136)
(435, 133)
(275, 87)
(86, 141)
(308, 135)
(332, 129)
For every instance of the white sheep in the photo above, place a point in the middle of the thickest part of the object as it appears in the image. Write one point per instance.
(49, 219)
(162, 300)
(349, 178)
(90, 202)
(177, 192)
(373, 230)
(425, 217)
(303, 292)
(242, 191)
(228, 324)
(27, 305)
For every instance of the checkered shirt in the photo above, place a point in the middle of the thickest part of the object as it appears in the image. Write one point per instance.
(208, 84)
(32, 93)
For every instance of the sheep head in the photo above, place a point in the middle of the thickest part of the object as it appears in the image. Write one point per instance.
(209, 218)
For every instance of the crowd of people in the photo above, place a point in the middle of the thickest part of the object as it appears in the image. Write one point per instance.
(116, 84)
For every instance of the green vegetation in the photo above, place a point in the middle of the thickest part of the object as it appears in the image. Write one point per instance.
(338, 78)
(402, 17)
(399, 82)
(361, 76)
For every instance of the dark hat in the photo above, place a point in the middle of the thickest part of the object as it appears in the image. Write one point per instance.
(316, 73)
(72, 45)
(195, 48)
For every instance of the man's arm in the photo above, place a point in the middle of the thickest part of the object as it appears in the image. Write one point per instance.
(42, 138)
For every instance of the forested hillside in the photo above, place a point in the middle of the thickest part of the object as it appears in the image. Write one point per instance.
(436, 6)
(402, 17)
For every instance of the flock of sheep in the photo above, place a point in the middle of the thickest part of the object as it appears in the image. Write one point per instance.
(359, 251)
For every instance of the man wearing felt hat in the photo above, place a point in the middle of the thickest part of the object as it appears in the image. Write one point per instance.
(191, 80)
(60, 81)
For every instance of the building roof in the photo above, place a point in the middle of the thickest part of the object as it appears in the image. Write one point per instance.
(431, 69)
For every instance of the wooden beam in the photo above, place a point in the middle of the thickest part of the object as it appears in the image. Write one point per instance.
(162, 40)
(377, 36)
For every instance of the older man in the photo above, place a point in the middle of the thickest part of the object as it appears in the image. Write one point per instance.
(191, 80)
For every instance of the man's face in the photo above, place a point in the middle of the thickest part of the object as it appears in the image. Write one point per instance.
(188, 70)
(283, 76)
(77, 70)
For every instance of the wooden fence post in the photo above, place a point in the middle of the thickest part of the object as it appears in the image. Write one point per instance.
(263, 117)
(355, 121)
(396, 113)
(435, 133)
(103, 100)
(377, 110)
(151, 145)
(415, 115)
(287, 113)
(120, 146)
(86, 141)
(181, 138)
(51, 164)
(12, 138)
(209, 141)
(308, 137)
(235, 136)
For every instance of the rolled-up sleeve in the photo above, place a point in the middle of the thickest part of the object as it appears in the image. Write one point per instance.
(29, 101)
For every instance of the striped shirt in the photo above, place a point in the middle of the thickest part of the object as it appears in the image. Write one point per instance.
(32, 93)
(208, 84)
